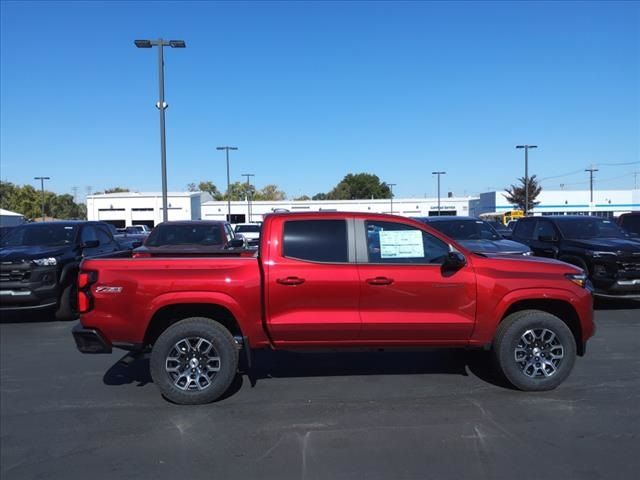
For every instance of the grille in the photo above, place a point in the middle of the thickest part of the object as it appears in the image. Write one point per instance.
(629, 265)
(7, 275)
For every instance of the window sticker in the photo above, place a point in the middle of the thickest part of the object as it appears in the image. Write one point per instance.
(401, 244)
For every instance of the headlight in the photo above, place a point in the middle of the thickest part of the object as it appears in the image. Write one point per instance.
(579, 279)
(527, 254)
(45, 262)
(599, 254)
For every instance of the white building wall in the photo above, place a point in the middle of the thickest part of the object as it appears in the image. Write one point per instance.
(137, 208)
(612, 202)
(408, 207)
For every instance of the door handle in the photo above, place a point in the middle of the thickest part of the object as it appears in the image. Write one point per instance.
(380, 281)
(290, 281)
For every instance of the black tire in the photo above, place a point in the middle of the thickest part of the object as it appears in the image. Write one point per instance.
(193, 383)
(67, 303)
(536, 361)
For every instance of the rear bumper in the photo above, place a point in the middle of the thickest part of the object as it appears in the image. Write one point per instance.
(90, 340)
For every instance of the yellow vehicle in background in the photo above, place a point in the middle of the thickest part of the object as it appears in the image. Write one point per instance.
(503, 217)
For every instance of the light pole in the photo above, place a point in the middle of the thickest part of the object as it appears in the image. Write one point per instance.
(391, 185)
(591, 170)
(228, 181)
(438, 174)
(526, 176)
(248, 175)
(162, 105)
(42, 179)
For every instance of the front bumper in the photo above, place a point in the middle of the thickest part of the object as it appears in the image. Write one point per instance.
(623, 289)
(23, 287)
(90, 340)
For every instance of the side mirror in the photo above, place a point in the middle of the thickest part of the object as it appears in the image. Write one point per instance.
(91, 244)
(454, 260)
(236, 243)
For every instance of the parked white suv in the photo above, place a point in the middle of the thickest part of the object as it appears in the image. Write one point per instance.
(250, 231)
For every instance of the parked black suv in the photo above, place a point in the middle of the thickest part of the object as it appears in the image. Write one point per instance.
(39, 263)
(603, 250)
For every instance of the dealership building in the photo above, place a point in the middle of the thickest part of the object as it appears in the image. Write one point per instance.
(606, 203)
(129, 208)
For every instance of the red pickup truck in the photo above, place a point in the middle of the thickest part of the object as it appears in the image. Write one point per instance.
(331, 280)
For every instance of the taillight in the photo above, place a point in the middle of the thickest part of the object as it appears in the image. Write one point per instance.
(85, 280)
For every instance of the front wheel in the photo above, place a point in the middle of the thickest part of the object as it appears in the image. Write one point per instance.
(534, 350)
(194, 361)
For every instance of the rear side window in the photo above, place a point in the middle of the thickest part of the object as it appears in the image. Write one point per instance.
(316, 240)
(524, 229)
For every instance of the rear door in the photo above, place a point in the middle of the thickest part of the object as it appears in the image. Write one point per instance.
(312, 284)
(407, 296)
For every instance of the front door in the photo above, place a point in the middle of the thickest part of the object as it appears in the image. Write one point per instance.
(407, 297)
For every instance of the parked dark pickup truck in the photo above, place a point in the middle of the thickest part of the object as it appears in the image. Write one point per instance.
(39, 263)
(609, 255)
(334, 280)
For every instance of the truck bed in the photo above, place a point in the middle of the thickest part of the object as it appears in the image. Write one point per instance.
(130, 290)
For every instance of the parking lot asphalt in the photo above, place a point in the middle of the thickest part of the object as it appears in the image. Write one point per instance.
(353, 415)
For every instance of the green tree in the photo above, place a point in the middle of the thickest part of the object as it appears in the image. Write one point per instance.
(239, 191)
(211, 189)
(319, 196)
(359, 186)
(27, 201)
(516, 193)
(302, 198)
(192, 187)
(269, 192)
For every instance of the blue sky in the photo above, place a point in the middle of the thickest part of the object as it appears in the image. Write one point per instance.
(312, 91)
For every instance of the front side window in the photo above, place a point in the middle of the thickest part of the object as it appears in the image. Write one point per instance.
(524, 229)
(390, 242)
(545, 230)
(316, 240)
(89, 234)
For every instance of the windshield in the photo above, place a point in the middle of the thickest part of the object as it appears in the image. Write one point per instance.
(185, 235)
(589, 227)
(45, 235)
(248, 229)
(466, 229)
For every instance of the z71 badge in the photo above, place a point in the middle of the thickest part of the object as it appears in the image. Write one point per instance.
(108, 289)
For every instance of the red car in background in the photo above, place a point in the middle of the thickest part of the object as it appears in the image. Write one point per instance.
(190, 239)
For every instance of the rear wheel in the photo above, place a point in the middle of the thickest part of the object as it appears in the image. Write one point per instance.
(194, 361)
(534, 350)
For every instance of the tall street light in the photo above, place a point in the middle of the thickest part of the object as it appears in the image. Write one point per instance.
(42, 179)
(526, 176)
(391, 185)
(162, 105)
(248, 175)
(228, 181)
(591, 170)
(438, 174)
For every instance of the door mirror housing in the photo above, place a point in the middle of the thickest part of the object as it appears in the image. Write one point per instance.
(236, 243)
(91, 244)
(455, 260)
